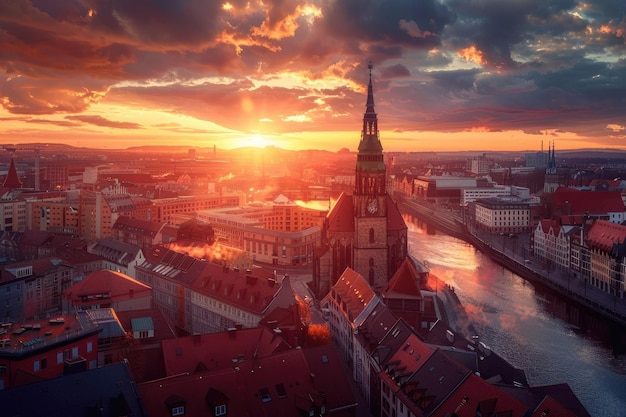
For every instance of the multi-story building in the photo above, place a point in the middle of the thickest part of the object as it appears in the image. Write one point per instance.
(45, 349)
(204, 297)
(281, 233)
(35, 287)
(503, 215)
(118, 256)
(399, 374)
(552, 241)
(12, 215)
(607, 248)
(479, 164)
(167, 210)
(143, 234)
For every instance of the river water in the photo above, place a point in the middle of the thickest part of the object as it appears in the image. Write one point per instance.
(517, 322)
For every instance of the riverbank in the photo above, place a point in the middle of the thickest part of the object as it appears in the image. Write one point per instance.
(575, 290)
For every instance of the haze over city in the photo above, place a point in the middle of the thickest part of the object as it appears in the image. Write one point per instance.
(448, 75)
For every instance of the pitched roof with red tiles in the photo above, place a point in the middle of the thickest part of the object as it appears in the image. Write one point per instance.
(248, 290)
(353, 290)
(603, 234)
(116, 285)
(549, 224)
(220, 350)
(588, 202)
(394, 217)
(340, 218)
(404, 283)
(475, 394)
(281, 384)
(12, 180)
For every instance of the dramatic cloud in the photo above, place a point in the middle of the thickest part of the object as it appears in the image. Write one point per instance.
(287, 67)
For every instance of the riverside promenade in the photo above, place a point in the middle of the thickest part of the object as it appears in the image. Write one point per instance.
(517, 259)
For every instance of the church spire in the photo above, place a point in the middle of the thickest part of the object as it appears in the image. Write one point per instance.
(12, 180)
(370, 119)
(370, 165)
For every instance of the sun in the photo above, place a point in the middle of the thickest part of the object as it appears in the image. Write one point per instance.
(254, 141)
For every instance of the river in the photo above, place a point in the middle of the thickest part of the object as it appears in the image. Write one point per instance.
(518, 323)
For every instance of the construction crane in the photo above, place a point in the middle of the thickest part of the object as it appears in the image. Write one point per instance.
(13, 149)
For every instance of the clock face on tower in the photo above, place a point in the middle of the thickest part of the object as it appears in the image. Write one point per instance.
(372, 206)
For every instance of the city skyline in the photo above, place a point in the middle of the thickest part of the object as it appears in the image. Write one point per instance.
(448, 76)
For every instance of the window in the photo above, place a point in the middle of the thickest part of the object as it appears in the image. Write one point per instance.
(265, 395)
(220, 410)
(36, 366)
(59, 358)
(44, 363)
(89, 346)
(372, 240)
(178, 411)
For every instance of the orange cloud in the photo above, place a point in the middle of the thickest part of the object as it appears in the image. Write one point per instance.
(472, 54)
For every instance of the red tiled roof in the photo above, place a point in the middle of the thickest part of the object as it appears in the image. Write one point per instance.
(219, 350)
(118, 285)
(603, 234)
(592, 202)
(278, 385)
(341, 216)
(404, 283)
(247, 290)
(475, 392)
(354, 290)
(394, 217)
(547, 224)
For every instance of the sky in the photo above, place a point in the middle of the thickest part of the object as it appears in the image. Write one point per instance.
(448, 75)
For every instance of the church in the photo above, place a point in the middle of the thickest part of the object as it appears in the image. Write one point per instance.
(364, 231)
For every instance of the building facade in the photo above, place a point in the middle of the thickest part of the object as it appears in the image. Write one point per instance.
(502, 215)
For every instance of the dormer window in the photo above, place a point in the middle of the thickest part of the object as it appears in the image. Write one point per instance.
(220, 410)
(176, 405)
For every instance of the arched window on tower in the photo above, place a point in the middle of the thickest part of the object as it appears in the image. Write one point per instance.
(371, 276)
(372, 240)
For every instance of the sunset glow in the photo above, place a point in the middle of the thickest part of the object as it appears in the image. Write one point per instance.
(447, 76)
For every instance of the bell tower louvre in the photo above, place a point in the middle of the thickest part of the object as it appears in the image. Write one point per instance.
(364, 231)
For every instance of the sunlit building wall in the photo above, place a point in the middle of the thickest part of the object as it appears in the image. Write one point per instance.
(167, 209)
(502, 216)
(12, 215)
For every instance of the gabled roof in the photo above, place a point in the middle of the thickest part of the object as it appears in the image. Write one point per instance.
(353, 290)
(476, 394)
(138, 226)
(603, 234)
(116, 251)
(394, 217)
(405, 283)
(340, 218)
(118, 286)
(375, 327)
(430, 385)
(12, 180)
(220, 350)
(281, 384)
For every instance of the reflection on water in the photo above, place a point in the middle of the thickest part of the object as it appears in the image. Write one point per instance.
(520, 324)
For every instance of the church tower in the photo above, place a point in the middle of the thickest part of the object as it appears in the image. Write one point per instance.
(369, 199)
(551, 181)
(364, 231)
